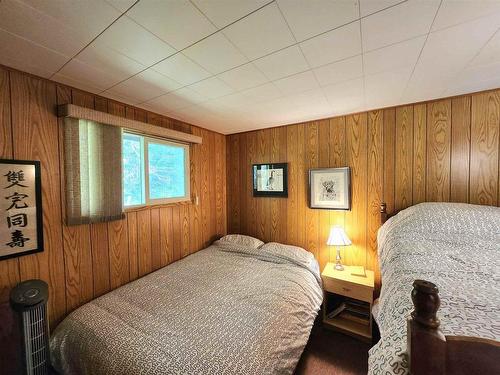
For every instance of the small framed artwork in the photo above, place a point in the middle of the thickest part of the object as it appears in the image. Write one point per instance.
(21, 219)
(270, 180)
(330, 188)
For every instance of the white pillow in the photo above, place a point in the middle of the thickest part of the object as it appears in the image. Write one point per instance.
(296, 253)
(240, 239)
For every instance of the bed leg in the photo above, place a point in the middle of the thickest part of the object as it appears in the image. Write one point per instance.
(426, 342)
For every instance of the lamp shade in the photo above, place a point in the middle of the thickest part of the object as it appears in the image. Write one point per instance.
(338, 237)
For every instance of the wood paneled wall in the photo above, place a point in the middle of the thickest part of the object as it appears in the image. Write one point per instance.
(444, 150)
(83, 262)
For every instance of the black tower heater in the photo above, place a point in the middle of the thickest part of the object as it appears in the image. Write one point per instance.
(29, 300)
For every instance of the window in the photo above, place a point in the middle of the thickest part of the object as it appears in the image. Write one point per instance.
(154, 171)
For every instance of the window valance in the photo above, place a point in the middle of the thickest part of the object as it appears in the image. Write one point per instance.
(74, 111)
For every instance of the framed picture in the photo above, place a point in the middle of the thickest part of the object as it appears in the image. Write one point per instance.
(21, 219)
(330, 188)
(270, 180)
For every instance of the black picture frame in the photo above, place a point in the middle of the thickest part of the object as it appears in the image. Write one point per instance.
(39, 247)
(282, 193)
(345, 176)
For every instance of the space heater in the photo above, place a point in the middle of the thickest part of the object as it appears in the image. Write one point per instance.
(29, 301)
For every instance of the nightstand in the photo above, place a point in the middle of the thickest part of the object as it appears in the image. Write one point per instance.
(348, 301)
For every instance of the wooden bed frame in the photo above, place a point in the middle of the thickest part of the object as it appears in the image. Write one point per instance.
(429, 350)
(384, 215)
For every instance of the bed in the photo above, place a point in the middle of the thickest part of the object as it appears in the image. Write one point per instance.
(456, 247)
(227, 309)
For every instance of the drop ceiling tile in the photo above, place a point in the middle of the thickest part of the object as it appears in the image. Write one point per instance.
(132, 40)
(224, 12)
(145, 86)
(181, 69)
(85, 86)
(102, 58)
(235, 101)
(394, 56)
(311, 100)
(476, 78)
(454, 12)
(212, 88)
(88, 18)
(277, 110)
(179, 99)
(282, 63)
(449, 51)
(368, 7)
(121, 5)
(89, 75)
(31, 24)
(260, 33)
(24, 55)
(297, 83)
(213, 106)
(264, 93)
(333, 46)
(197, 113)
(415, 94)
(243, 77)
(490, 53)
(401, 22)
(178, 23)
(216, 54)
(386, 89)
(314, 17)
(346, 97)
(337, 72)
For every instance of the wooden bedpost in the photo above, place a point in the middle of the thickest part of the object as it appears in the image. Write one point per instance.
(430, 352)
(383, 212)
(426, 343)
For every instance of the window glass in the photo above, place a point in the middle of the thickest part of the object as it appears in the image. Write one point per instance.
(133, 170)
(166, 171)
(154, 171)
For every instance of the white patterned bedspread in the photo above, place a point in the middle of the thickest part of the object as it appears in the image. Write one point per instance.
(457, 247)
(227, 309)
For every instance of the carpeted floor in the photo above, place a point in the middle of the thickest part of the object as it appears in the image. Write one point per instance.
(329, 352)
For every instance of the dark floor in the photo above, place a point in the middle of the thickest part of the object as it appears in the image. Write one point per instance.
(329, 352)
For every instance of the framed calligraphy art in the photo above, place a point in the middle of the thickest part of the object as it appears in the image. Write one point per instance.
(21, 220)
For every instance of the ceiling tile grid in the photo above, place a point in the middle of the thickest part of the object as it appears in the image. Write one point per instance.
(237, 65)
(216, 54)
(260, 33)
(179, 23)
(318, 16)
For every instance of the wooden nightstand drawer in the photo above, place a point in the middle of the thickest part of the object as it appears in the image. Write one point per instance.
(348, 289)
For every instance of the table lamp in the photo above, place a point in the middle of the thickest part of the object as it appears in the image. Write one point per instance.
(338, 238)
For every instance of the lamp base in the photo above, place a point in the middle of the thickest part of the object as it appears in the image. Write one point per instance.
(338, 265)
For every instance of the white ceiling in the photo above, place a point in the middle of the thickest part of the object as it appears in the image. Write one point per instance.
(237, 65)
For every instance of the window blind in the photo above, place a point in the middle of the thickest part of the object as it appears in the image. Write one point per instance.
(93, 171)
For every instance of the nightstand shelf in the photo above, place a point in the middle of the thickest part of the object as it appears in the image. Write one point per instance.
(353, 295)
(348, 326)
